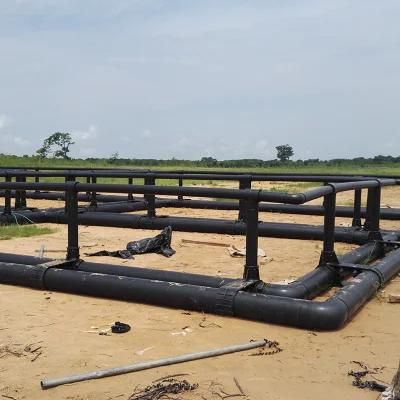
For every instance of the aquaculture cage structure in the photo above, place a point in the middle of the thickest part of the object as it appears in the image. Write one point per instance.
(359, 273)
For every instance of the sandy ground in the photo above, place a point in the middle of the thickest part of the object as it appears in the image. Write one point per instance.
(48, 334)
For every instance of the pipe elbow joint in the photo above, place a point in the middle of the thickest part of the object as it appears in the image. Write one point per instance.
(329, 315)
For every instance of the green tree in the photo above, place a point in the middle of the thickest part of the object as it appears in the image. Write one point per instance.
(284, 152)
(209, 161)
(57, 145)
(114, 158)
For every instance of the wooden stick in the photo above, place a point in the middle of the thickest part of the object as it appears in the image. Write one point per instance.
(206, 243)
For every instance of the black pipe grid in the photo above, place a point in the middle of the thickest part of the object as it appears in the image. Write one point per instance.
(262, 175)
(245, 180)
(192, 175)
(249, 199)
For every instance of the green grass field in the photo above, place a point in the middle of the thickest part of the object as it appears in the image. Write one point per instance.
(348, 167)
(20, 231)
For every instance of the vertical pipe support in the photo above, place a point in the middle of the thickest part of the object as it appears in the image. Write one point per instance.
(373, 209)
(7, 197)
(68, 178)
(130, 194)
(244, 183)
(17, 198)
(93, 195)
(71, 203)
(37, 179)
(251, 270)
(180, 184)
(88, 181)
(150, 198)
(328, 254)
(23, 193)
(357, 208)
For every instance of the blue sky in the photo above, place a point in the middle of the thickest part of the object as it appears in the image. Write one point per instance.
(187, 79)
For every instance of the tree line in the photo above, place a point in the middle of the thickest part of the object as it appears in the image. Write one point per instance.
(58, 145)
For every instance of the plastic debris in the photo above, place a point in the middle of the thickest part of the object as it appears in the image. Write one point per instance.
(160, 244)
(120, 327)
(241, 252)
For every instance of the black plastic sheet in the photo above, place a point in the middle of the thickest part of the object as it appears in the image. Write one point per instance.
(160, 244)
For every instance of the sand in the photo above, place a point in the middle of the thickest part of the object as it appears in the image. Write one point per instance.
(49, 334)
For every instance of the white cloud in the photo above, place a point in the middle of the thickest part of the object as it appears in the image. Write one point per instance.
(146, 133)
(4, 121)
(88, 152)
(20, 141)
(89, 134)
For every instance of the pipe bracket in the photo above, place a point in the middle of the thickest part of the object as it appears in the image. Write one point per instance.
(62, 264)
(361, 268)
(224, 304)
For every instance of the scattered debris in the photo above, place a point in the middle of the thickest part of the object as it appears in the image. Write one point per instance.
(204, 243)
(183, 332)
(11, 350)
(36, 357)
(163, 389)
(242, 392)
(366, 384)
(271, 347)
(98, 331)
(358, 382)
(160, 244)
(241, 252)
(169, 376)
(204, 324)
(120, 327)
(116, 327)
(8, 397)
(141, 352)
(217, 389)
(32, 351)
(394, 298)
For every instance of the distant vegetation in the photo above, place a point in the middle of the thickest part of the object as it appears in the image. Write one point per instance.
(375, 165)
(55, 149)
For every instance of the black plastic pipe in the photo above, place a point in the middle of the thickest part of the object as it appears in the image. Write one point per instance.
(248, 194)
(87, 197)
(192, 175)
(202, 225)
(341, 211)
(307, 286)
(328, 315)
